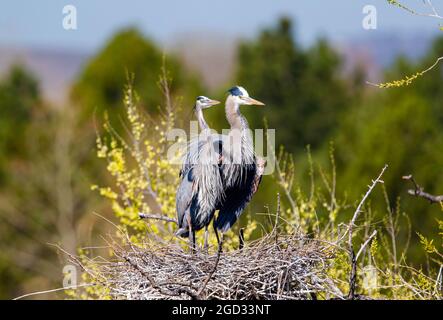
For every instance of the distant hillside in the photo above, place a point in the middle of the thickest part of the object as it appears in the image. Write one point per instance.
(211, 56)
(54, 68)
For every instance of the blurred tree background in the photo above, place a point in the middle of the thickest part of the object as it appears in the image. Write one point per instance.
(47, 155)
(99, 86)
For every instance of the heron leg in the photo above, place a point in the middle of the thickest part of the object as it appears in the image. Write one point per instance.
(220, 242)
(220, 245)
(191, 233)
(205, 245)
(193, 242)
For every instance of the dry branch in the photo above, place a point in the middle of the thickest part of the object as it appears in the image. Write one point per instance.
(352, 256)
(157, 217)
(419, 191)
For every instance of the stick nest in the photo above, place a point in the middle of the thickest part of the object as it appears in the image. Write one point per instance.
(284, 267)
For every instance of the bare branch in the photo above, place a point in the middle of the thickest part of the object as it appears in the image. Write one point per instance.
(54, 290)
(365, 244)
(353, 257)
(205, 283)
(351, 225)
(407, 80)
(157, 217)
(434, 13)
(419, 192)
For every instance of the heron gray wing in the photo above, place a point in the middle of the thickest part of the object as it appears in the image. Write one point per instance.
(184, 198)
(201, 186)
(191, 156)
(194, 151)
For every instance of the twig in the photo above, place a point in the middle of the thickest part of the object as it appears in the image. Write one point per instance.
(360, 205)
(157, 217)
(219, 251)
(138, 155)
(434, 13)
(54, 290)
(365, 244)
(349, 230)
(438, 282)
(277, 215)
(407, 80)
(352, 256)
(418, 191)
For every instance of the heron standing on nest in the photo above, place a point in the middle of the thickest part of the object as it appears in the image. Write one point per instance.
(201, 187)
(241, 169)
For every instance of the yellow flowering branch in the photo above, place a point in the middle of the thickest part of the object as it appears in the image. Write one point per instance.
(405, 81)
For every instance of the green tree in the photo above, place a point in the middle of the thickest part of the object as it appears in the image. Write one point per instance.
(99, 86)
(19, 98)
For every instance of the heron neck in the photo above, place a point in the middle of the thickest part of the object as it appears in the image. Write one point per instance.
(235, 118)
(241, 151)
(201, 120)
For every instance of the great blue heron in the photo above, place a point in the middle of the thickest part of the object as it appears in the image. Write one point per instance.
(201, 185)
(241, 170)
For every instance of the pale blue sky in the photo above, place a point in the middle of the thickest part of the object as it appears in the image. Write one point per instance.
(39, 23)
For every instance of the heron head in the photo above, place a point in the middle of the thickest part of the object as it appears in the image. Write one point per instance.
(241, 96)
(204, 102)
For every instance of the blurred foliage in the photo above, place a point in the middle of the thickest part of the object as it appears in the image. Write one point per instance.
(99, 86)
(19, 99)
(46, 165)
(45, 200)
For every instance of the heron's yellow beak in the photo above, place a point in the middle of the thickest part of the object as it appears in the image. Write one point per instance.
(214, 102)
(252, 102)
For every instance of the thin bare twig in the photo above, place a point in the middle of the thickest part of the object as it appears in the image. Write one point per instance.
(357, 211)
(352, 256)
(157, 217)
(54, 290)
(205, 283)
(419, 192)
(434, 13)
(365, 244)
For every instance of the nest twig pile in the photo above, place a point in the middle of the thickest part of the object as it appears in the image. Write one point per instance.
(284, 267)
